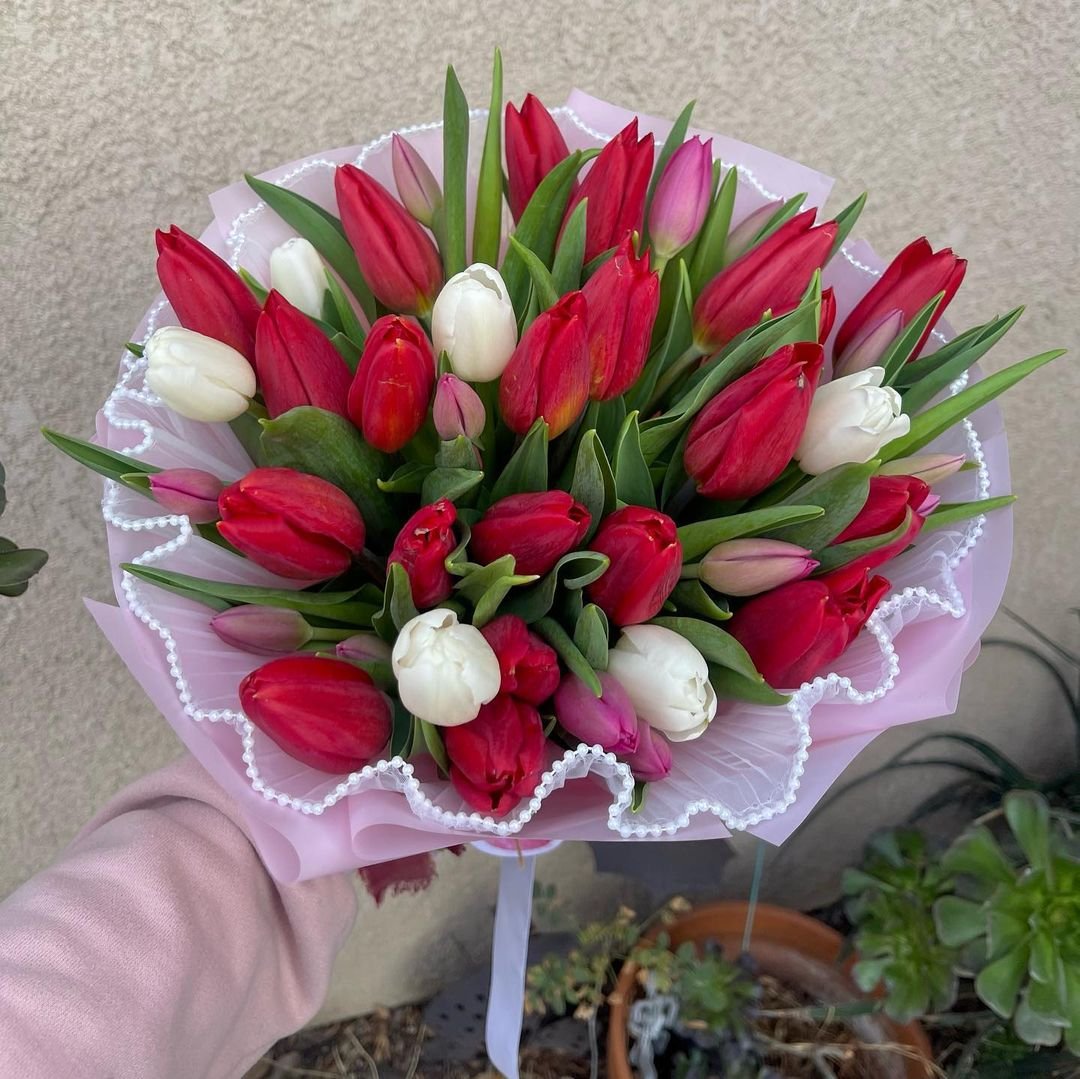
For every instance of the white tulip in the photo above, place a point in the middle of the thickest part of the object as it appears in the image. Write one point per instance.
(850, 419)
(297, 272)
(473, 322)
(197, 376)
(667, 680)
(445, 670)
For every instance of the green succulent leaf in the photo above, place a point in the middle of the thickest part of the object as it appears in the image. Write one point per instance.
(17, 566)
(977, 854)
(1031, 1026)
(1028, 814)
(958, 921)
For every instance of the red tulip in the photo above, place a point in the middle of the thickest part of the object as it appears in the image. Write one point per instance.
(827, 317)
(396, 256)
(534, 146)
(530, 667)
(548, 374)
(771, 276)
(893, 500)
(745, 436)
(646, 558)
(389, 396)
(623, 297)
(537, 528)
(422, 547)
(293, 524)
(498, 758)
(295, 362)
(909, 283)
(615, 186)
(797, 630)
(325, 713)
(204, 291)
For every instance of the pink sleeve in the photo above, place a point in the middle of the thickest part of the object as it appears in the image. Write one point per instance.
(159, 946)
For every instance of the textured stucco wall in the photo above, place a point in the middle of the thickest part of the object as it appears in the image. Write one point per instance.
(960, 118)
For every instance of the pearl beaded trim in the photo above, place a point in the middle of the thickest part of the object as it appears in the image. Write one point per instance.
(397, 773)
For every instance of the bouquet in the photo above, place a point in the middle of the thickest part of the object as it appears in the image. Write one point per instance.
(542, 460)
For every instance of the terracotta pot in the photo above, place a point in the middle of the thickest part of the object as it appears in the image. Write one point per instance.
(798, 950)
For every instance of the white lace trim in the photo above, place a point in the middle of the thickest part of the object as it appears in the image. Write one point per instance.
(398, 774)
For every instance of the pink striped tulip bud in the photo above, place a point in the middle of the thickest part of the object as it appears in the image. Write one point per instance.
(266, 631)
(458, 410)
(931, 468)
(651, 761)
(681, 198)
(416, 186)
(608, 720)
(363, 648)
(741, 237)
(189, 491)
(868, 347)
(745, 567)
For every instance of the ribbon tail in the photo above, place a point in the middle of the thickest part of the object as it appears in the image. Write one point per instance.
(509, 956)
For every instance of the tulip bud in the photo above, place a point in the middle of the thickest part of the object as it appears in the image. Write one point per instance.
(796, 631)
(868, 347)
(646, 558)
(396, 256)
(189, 491)
(296, 363)
(389, 396)
(537, 528)
(772, 276)
(498, 759)
(548, 375)
(682, 197)
(827, 315)
(745, 436)
(363, 648)
(266, 631)
(534, 146)
(445, 670)
(615, 185)
(931, 468)
(298, 274)
(293, 524)
(742, 236)
(473, 322)
(651, 761)
(909, 283)
(416, 185)
(744, 567)
(422, 547)
(198, 377)
(458, 410)
(530, 667)
(622, 298)
(667, 680)
(324, 713)
(850, 419)
(608, 720)
(206, 294)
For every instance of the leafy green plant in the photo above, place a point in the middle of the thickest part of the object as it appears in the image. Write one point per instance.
(17, 565)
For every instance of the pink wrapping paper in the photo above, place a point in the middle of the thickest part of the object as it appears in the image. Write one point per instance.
(756, 764)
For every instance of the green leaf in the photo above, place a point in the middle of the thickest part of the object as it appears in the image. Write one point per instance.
(715, 644)
(257, 290)
(527, 470)
(348, 350)
(730, 685)
(538, 227)
(574, 571)
(476, 580)
(592, 636)
(593, 483)
(691, 597)
(928, 376)
(487, 226)
(570, 654)
(323, 230)
(324, 444)
(108, 463)
(450, 218)
(637, 801)
(700, 537)
(487, 606)
(18, 565)
(401, 733)
(633, 484)
(566, 269)
(903, 348)
(406, 479)
(398, 607)
(547, 294)
(433, 741)
(841, 493)
(926, 426)
(451, 483)
(676, 341)
(350, 324)
(840, 554)
(248, 433)
(958, 921)
(1031, 1025)
(948, 513)
(977, 854)
(674, 140)
(998, 983)
(708, 258)
(333, 606)
(1028, 815)
(785, 212)
(845, 222)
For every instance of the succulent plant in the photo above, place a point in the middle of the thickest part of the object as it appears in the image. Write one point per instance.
(17, 565)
